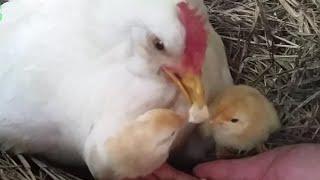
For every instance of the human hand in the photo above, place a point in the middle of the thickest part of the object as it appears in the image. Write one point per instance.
(293, 162)
(166, 172)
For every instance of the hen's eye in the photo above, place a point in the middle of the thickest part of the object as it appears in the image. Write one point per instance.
(234, 120)
(158, 44)
(173, 133)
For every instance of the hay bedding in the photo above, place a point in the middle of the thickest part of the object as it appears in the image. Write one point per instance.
(273, 45)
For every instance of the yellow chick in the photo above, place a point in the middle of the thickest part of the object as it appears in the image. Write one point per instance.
(241, 118)
(140, 147)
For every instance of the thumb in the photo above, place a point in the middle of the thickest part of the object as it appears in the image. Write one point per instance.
(167, 172)
(246, 169)
(229, 169)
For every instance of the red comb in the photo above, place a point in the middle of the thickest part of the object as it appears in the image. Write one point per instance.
(196, 38)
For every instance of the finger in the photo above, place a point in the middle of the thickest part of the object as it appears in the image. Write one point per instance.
(166, 172)
(150, 177)
(248, 168)
(228, 169)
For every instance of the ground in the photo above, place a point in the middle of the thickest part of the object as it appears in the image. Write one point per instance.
(273, 45)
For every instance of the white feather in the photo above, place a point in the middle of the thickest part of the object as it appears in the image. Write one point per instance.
(70, 65)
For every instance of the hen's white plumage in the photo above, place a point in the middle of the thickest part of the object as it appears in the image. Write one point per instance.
(74, 72)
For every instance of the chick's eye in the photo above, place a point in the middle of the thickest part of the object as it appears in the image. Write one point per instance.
(173, 133)
(158, 44)
(234, 120)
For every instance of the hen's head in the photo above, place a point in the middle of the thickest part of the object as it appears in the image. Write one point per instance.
(174, 39)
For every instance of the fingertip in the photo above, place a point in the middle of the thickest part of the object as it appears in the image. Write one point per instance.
(247, 168)
(217, 169)
(168, 172)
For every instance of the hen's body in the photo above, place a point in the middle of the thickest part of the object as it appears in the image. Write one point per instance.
(60, 76)
(50, 98)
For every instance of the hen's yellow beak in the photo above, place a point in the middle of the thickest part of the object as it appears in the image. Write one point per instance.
(191, 86)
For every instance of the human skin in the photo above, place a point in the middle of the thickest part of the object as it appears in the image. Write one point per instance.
(167, 172)
(294, 162)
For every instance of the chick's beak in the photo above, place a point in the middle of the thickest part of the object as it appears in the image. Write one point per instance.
(192, 87)
(216, 122)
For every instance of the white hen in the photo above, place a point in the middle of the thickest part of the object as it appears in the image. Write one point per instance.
(74, 72)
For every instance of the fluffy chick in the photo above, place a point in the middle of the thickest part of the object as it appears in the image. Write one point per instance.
(241, 118)
(140, 147)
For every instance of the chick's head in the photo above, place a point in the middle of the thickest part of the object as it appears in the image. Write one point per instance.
(141, 146)
(241, 118)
